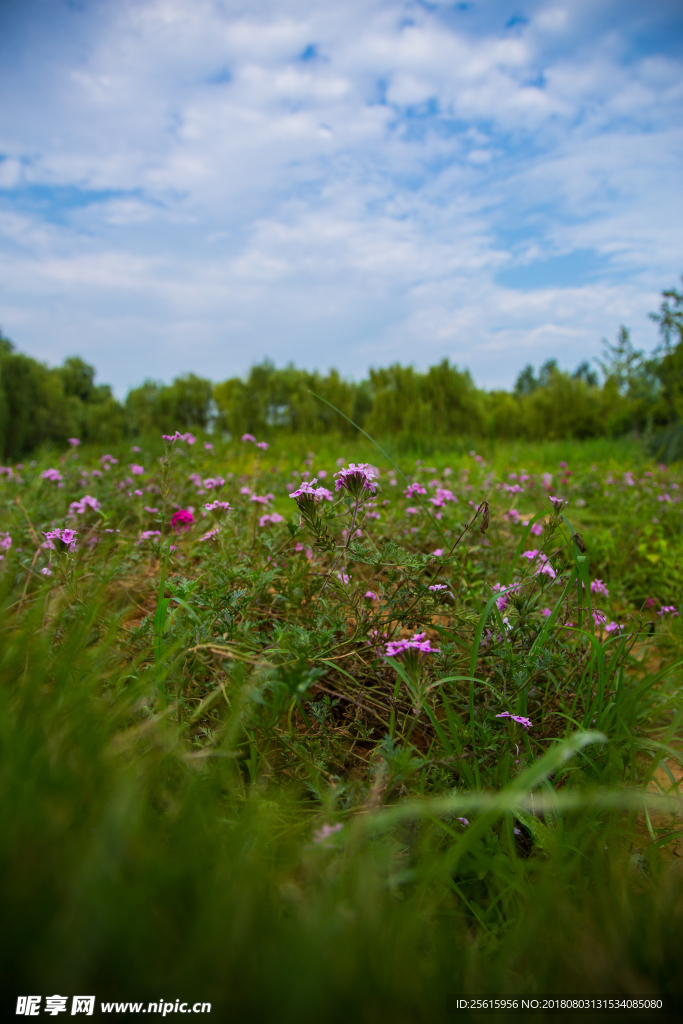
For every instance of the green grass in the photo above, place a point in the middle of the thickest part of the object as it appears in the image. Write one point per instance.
(216, 785)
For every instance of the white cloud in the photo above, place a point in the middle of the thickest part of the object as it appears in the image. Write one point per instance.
(214, 197)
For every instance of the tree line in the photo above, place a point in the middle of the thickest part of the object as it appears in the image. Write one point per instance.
(628, 393)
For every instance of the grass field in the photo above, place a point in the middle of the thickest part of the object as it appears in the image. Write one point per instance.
(348, 754)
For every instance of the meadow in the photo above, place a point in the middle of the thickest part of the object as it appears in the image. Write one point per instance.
(311, 730)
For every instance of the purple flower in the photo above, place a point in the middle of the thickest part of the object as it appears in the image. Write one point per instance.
(51, 474)
(275, 517)
(87, 501)
(208, 447)
(537, 529)
(416, 488)
(182, 520)
(74, 441)
(599, 618)
(464, 821)
(371, 595)
(65, 538)
(6, 542)
(249, 437)
(46, 572)
(326, 832)
(356, 479)
(151, 510)
(135, 469)
(148, 534)
(262, 499)
(546, 612)
(438, 586)
(612, 627)
(343, 578)
(438, 552)
(410, 511)
(417, 643)
(558, 503)
(651, 602)
(668, 609)
(188, 438)
(108, 460)
(219, 506)
(211, 534)
(526, 722)
(263, 445)
(530, 554)
(598, 587)
(546, 570)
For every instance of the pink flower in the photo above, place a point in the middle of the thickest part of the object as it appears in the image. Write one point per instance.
(503, 600)
(411, 511)
(416, 488)
(546, 612)
(51, 474)
(262, 499)
(87, 501)
(598, 587)
(208, 447)
(442, 496)
(438, 586)
(599, 618)
(46, 572)
(356, 479)
(108, 460)
(263, 445)
(275, 517)
(526, 722)
(219, 506)
(172, 438)
(343, 578)
(135, 448)
(612, 627)
(64, 537)
(558, 503)
(74, 441)
(438, 552)
(148, 535)
(668, 609)
(211, 534)
(546, 570)
(151, 511)
(651, 602)
(530, 554)
(417, 643)
(249, 437)
(182, 520)
(323, 834)
(6, 542)
(537, 529)
(135, 469)
(371, 595)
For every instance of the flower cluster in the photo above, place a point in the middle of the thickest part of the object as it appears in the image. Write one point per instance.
(526, 722)
(65, 539)
(357, 479)
(417, 643)
(182, 519)
(219, 507)
(249, 438)
(172, 438)
(51, 474)
(86, 502)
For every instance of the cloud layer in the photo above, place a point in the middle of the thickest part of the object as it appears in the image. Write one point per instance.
(197, 184)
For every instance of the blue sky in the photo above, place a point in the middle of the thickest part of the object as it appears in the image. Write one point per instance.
(199, 184)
